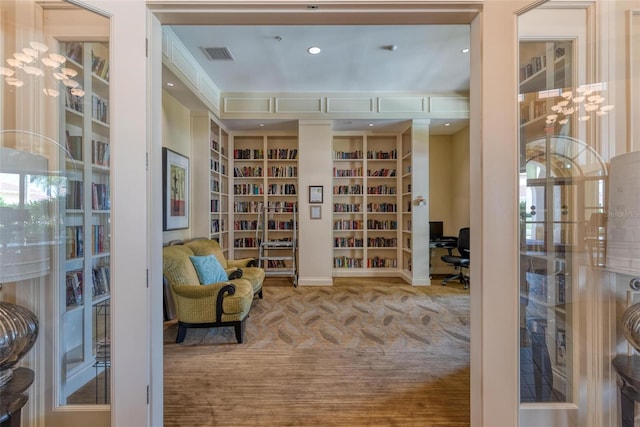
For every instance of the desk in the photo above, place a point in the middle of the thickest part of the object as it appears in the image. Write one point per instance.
(13, 397)
(628, 369)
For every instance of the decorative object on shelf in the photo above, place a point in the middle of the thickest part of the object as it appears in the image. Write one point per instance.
(420, 201)
(175, 190)
(32, 63)
(315, 193)
(631, 319)
(18, 333)
(584, 101)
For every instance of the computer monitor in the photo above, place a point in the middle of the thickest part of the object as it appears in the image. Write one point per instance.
(435, 229)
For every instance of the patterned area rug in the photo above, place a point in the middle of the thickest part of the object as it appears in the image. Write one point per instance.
(367, 315)
(360, 353)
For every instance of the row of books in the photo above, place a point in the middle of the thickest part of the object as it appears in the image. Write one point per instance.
(246, 242)
(346, 207)
(382, 172)
(218, 167)
(245, 225)
(74, 288)
(374, 224)
(346, 224)
(378, 262)
(341, 173)
(282, 172)
(382, 207)
(247, 172)
(381, 242)
(101, 280)
(348, 242)
(282, 154)
(217, 225)
(100, 66)
(74, 146)
(347, 155)
(100, 197)
(74, 241)
(100, 153)
(75, 284)
(286, 189)
(382, 155)
(100, 239)
(215, 146)
(347, 189)
(248, 154)
(99, 109)
(73, 102)
(347, 262)
(381, 189)
(280, 225)
(74, 194)
(74, 51)
(247, 207)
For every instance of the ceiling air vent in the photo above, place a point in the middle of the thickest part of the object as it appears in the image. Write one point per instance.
(217, 53)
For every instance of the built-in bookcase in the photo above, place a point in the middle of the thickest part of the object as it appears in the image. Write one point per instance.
(365, 203)
(85, 283)
(405, 206)
(265, 173)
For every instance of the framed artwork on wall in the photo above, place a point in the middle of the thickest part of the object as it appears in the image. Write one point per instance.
(315, 194)
(315, 212)
(175, 190)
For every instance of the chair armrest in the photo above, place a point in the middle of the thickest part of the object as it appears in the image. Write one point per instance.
(243, 262)
(234, 273)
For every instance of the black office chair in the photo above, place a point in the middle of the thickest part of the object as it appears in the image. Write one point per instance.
(461, 261)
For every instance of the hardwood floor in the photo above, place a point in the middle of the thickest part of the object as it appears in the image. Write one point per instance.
(361, 353)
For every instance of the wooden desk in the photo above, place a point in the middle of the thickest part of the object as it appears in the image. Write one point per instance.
(13, 397)
(628, 369)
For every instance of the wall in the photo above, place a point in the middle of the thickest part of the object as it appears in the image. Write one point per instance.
(176, 135)
(449, 196)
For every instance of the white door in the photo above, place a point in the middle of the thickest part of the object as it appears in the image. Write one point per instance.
(81, 233)
(573, 112)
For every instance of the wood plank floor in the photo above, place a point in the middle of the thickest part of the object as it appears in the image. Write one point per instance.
(316, 357)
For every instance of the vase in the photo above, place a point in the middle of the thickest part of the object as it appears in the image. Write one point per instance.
(631, 325)
(18, 333)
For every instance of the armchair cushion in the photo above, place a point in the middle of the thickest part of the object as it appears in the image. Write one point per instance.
(209, 269)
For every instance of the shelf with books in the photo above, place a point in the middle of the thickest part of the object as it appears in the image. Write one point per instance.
(406, 200)
(365, 212)
(84, 127)
(265, 174)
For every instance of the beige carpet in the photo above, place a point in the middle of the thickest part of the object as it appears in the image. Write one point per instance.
(363, 352)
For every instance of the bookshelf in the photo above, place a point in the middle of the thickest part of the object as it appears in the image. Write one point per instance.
(85, 270)
(265, 173)
(365, 204)
(406, 219)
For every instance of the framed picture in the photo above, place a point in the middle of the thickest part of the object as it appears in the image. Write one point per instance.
(315, 212)
(315, 194)
(175, 190)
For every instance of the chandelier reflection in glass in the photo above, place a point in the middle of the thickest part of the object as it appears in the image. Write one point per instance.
(32, 63)
(585, 101)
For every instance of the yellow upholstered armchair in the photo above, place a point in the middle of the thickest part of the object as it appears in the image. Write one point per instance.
(248, 266)
(223, 303)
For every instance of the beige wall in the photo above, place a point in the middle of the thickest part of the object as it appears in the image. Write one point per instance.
(176, 135)
(449, 196)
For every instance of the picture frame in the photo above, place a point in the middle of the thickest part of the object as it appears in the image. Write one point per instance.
(315, 194)
(315, 212)
(175, 190)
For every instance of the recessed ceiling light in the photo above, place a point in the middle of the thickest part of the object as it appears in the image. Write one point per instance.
(314, 50)
(466, 50)
(447, 124)
(261, 125)
(371, 124)
(170, 84)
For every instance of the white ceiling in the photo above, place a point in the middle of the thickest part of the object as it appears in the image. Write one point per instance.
(354, 58)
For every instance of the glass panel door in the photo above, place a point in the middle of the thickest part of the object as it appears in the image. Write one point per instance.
(55, 205)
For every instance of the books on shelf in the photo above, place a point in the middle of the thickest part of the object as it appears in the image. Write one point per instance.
(100, 200)
(100, 66)
(99, 109)
(100, 153)
(73, 52)
(100, 240)
(74, 194)
(101, 278)
(74, 146)
(74, 288)
(74, 241)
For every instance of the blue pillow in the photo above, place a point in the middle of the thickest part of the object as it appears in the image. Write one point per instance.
(209, 269)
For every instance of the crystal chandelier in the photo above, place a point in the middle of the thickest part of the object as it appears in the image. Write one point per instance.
(584, 102)
(32, 63)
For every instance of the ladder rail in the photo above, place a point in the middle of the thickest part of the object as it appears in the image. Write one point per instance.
(287, 249)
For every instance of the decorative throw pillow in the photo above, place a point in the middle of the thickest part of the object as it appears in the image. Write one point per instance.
(209, 269)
